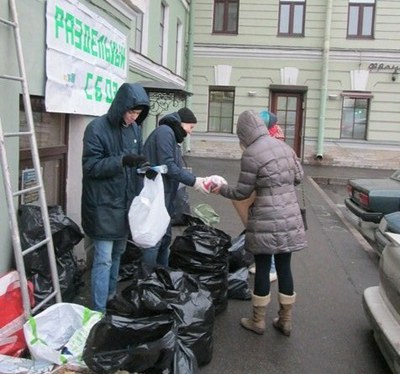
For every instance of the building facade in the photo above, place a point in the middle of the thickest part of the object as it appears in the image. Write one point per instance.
(328, 69)
(76, 55)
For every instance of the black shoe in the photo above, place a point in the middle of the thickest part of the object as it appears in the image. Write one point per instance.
(117, 305)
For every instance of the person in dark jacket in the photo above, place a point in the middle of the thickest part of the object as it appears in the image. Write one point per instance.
(163, 147)
(112, 150)
(271, 168)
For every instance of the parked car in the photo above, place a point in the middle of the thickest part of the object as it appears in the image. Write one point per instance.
(382, 304)
(371, 199)
(391, 223)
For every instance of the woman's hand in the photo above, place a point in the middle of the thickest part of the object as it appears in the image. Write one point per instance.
(216, 183)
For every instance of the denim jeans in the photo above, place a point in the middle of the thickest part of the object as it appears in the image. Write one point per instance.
(105, 268)
(159, 254)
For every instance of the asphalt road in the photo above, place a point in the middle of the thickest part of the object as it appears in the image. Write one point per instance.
(330, 331)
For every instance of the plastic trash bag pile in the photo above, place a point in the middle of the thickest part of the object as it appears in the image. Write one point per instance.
(170, 328)
(65, 234)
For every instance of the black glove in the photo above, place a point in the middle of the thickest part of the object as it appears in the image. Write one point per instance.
(151, 174)
(145, 165)
(133, 160)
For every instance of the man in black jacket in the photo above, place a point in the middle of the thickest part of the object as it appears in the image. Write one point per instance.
(163, 147)
(112, 148)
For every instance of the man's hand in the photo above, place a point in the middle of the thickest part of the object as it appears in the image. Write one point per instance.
(151, 174)
(133, 160)
(200, 186)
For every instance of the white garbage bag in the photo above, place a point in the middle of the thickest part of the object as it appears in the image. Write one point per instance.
(148, 216)
(59, 333)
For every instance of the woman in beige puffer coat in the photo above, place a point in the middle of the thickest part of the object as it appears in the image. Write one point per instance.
(275, 226)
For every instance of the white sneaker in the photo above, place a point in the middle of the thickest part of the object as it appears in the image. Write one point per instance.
(252, 269)
(272, 277)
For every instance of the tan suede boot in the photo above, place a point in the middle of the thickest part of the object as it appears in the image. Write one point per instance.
(284, 322)
(257, 322)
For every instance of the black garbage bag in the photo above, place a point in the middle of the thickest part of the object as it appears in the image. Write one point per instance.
(181, 207)
(65, 234)
(184, 360)
(238, 285)
(144, 345)
(178, 294)
(238, 256)
(131, 266)
(69, 276)
(202, 251)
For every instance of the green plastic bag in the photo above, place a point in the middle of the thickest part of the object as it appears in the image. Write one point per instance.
(206, 213)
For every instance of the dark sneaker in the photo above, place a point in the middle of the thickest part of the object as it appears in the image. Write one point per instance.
(119, 306)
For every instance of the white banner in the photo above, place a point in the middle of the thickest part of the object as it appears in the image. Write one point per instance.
(86, 59)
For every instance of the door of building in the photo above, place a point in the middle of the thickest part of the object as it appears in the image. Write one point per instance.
(52, 136)
(288, 106)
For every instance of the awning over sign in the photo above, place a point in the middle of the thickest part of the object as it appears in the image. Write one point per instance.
(163, 95)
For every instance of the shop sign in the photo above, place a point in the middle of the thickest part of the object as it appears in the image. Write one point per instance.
(86, 59)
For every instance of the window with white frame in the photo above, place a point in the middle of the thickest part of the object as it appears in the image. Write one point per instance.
(361, 18)
(220, 109)
(138, 32)
(291, 17)
(137, 12)
(162, 33)
(354, 124)
(178, 47)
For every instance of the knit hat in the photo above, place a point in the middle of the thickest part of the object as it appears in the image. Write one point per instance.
(264, 115)
(187, 115)
(269, 118)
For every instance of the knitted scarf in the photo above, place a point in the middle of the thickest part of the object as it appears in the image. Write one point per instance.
(178, 130)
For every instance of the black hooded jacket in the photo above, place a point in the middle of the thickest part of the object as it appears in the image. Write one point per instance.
(108, 188)
(162, 148)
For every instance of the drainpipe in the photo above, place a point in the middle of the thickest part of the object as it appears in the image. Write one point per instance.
(324, 82)
(189, 65)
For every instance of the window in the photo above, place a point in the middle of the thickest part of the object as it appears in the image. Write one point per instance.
(354, 117)
(291, 18)
(226, 15)
(361, 19)
(178, 48)
(220, 112)
(138, 29)
(162, 35)
(51, 138)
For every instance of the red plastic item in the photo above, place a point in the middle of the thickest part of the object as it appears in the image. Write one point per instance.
(12, 319)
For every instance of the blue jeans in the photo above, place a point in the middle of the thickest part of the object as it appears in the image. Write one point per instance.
(159, 254)
(105, 269)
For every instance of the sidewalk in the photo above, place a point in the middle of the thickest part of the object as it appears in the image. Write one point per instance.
(230, 168)
(229, 220)
(330, 330)
(330, 277)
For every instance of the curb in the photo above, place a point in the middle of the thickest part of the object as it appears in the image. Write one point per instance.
(331, 181)
(358, 236)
